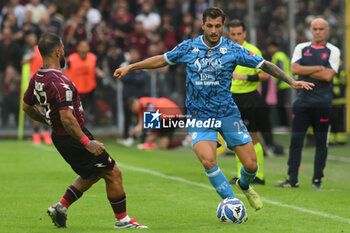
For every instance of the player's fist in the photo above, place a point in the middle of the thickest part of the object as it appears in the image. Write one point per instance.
(95, 147)
(302, 85)
(121, 72)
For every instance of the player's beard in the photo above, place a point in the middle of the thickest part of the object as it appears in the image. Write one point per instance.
(211, 41)
(62, 62)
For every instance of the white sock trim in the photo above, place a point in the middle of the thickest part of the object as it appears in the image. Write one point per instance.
(125, 219)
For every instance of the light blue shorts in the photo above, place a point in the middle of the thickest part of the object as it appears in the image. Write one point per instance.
(232, 130)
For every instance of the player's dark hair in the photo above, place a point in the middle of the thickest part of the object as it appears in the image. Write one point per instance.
(131, 101)
(274, 43)
(213, 12)
(236, 23)
(48, 42)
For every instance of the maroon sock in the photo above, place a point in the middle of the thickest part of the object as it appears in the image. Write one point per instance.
(72, 194)
(119, 206)
(175, 143)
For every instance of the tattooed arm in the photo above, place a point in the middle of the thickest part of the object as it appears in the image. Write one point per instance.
(34, 113)
(276, 72)
(72, 127)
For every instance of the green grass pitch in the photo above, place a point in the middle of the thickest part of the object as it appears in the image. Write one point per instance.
(169, 192)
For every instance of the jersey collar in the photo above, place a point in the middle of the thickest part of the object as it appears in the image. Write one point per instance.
(48, 70)
(209, 46)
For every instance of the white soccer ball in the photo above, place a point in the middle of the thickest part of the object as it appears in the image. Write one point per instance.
(231, 210)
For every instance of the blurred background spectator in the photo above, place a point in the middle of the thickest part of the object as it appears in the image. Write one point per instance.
(133, 86)
(10, 95)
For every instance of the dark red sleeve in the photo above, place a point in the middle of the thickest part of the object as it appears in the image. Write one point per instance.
(63, 95)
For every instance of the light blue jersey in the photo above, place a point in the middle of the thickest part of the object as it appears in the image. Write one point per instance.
(209, 74)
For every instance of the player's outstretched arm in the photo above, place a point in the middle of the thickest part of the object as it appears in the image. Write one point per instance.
(276, 72)
(72, 127)
(149, 63)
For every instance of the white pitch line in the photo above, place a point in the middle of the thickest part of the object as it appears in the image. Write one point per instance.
(338, 158)
(182, 180)
(330, 157)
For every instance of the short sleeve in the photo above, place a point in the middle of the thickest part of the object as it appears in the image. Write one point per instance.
(63, 95)
(334, 58)
(246, 58)
(297, 54)
(177, 54)
(29, 97)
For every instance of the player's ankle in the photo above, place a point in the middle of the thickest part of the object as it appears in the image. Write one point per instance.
(125, 219)
(242, 187)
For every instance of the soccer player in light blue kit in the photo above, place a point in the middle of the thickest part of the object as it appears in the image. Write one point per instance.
(210, 61)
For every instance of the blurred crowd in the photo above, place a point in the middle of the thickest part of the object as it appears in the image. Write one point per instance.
(118, 32)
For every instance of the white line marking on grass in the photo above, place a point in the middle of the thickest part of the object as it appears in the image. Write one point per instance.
(318, 213)
(330, 157)
(338, 158)
(182, 180)
(165, 176)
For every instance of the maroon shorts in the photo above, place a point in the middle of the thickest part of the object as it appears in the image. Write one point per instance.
(85, 164)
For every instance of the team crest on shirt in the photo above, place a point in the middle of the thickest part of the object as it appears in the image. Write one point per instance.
(223, 50)
(324, 56)
(210, 52)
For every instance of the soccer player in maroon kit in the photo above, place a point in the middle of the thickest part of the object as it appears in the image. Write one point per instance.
(50, 88)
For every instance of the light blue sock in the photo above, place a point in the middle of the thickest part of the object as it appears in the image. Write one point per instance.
(219, 182)
(247, 177)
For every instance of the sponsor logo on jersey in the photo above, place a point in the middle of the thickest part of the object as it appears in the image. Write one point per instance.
(69, 95)
(210, 63)
(195, 50)
(64, 85)
(307, 53)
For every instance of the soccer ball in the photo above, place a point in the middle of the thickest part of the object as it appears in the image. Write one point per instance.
(231, 210)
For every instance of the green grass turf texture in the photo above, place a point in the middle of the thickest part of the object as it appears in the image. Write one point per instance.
(169, 192)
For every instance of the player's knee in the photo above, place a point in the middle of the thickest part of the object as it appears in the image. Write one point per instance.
(209, 163)
(250, 165)
(116, 171)
(113, 174)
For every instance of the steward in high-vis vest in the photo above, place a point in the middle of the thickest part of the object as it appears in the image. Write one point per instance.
(82, 70)
(338, 134)
(281, 60)
(244, 87)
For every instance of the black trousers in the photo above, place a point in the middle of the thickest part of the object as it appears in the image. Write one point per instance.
(318, 117)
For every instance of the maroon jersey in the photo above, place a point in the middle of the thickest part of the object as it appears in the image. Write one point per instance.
(54, 91)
